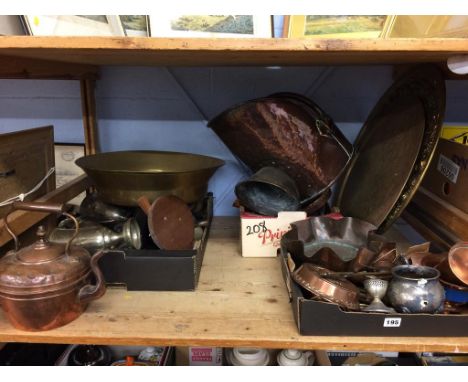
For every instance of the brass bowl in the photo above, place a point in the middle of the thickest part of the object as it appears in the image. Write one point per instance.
(121, 177)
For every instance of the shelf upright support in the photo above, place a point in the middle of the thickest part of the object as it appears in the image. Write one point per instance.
(88, 107)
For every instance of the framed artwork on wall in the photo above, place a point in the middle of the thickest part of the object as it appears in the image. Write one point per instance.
(65, 168)
(80, 25)
(335, 26)
(135, 25)
(236, 26)
(432, 26)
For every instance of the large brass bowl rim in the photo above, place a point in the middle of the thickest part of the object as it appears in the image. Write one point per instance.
(92, 162)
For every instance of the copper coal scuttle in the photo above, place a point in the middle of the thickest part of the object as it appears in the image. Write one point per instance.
(44, 285)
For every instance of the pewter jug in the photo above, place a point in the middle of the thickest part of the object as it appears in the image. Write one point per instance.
(93, 236)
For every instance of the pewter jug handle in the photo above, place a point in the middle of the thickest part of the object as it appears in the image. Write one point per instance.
(91, 292)
(40, 207)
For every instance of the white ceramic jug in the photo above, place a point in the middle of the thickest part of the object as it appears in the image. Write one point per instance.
(248, 357)
(294, 357)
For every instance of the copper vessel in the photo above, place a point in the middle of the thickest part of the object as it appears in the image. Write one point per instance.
(269, 191)
(44, 286)
(289, 132)
(336, 290)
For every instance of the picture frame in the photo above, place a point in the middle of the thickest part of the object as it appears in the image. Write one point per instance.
(65, 168)
(26, 157)
(73, 25)
(11, 25)
(135, 25)
(427, 26)
(336, 26)
(234, 26)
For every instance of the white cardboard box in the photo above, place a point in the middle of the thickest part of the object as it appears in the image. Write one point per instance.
(261, 235)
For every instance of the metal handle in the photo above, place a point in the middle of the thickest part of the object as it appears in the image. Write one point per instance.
(91, 292)
(40, 207)
(144, 204)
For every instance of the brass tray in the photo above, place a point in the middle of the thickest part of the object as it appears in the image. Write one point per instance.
(394, 148)
(121, 177)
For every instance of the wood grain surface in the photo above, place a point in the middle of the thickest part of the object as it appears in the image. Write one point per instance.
(229, 51)
(239, 302)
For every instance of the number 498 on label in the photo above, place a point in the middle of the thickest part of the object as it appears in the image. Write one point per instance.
(392, 322)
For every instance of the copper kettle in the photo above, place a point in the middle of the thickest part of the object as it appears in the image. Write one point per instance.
(45, 286)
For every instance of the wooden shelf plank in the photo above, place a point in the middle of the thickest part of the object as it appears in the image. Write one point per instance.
(239, 302)
(229, 51)
(31, 68)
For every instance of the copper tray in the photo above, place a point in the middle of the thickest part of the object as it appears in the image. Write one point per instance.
(290, 132)
(344, 237)
(394, 148)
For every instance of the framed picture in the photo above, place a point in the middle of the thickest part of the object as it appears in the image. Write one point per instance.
(65, 168)
(135, 25)
(165, 25)
(418, 26)
(81, 25)
(11, 25)
(333, 26)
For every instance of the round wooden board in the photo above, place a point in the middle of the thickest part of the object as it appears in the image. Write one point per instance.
(171, 223)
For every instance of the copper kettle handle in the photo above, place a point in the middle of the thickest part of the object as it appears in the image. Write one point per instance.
(91, 292)
(40, 207)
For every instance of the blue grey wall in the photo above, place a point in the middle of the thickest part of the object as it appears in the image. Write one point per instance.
(167, 108)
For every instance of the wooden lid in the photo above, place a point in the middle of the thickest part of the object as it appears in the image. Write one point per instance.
(171, 223)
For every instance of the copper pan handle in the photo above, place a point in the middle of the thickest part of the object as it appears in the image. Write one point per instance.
(40, 207)
(91, 292)
(144, 204)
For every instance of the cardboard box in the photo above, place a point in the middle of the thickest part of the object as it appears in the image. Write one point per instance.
(455, 133)
(317, 318)
(205, 356)
(447, 176)
(439, 359)
(156, 269)
(261, 235)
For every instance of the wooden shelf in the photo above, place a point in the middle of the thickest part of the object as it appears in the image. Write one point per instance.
(239, 302)
(210, 52)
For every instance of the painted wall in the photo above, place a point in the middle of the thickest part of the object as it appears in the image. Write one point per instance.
(167, 108)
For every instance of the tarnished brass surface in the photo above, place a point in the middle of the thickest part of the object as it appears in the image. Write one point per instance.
(122, 177)
(394, 148)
